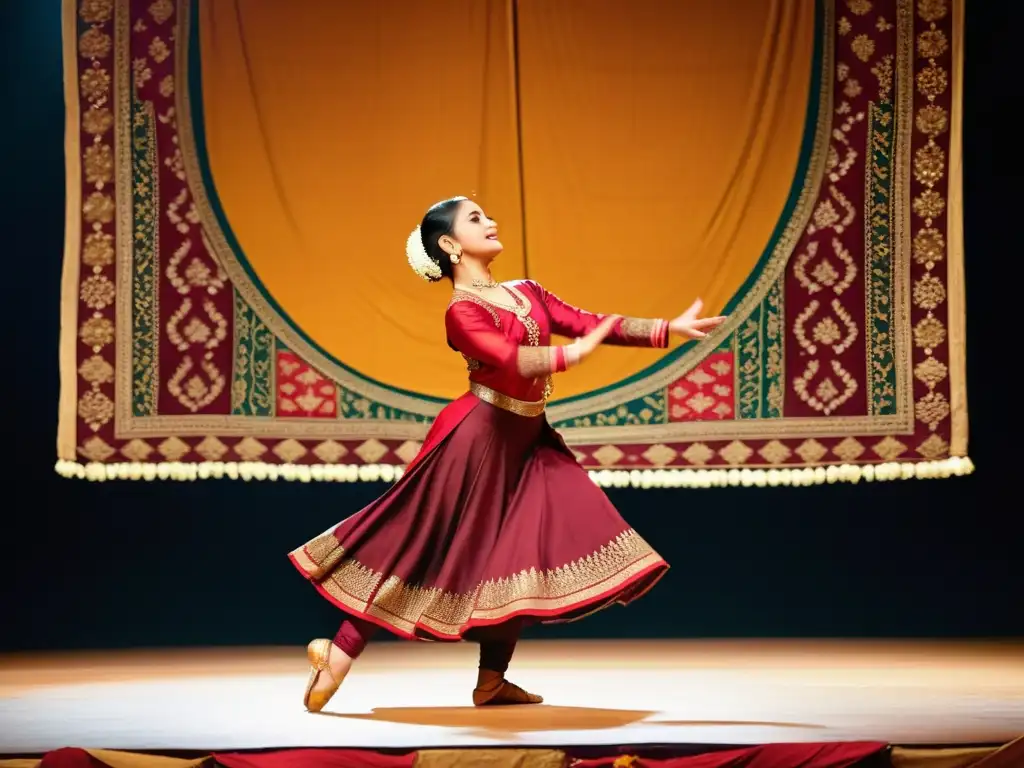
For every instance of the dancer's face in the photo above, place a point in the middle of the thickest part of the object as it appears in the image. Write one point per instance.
(475, 232)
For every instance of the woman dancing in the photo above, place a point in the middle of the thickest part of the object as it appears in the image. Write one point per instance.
(494, 524)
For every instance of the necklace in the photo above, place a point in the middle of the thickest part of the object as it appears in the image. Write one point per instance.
(481, 283)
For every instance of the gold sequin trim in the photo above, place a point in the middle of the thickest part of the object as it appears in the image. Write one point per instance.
(404, 606)
(506, 403)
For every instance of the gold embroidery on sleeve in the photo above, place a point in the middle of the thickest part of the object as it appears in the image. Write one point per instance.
(639, 328)
(534, 362)
(642, 329)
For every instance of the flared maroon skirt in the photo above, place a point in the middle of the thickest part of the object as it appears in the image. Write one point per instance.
(495, 520)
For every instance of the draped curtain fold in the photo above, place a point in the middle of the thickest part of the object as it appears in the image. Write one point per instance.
(635, 155)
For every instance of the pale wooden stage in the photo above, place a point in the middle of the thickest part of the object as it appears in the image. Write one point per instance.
(415, 695)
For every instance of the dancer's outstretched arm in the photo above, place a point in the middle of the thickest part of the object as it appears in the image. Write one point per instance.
(567, 320)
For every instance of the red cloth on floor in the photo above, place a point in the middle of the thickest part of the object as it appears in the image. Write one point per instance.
(827, 755)
(315, 758)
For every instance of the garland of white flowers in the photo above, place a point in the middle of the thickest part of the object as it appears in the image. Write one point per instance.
(955, 466)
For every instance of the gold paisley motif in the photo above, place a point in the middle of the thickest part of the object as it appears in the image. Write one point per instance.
(96, 332)
(95, 84)
(800, 270)
(98, 250)
(194, 391)
(932, 10)
(95, 44)
(161, 10)
(932, 44)
(827, 215)
(929, 292)
(850, 272)
(96, 11)
(95, 370)
(931, 372)
(827, 396)
(98, 163)
(863, 47)
(932, 120)
(827, 331)
(883, 73)
(852, 330)
(929, 334)
(97, 292)
(158, 50)
(932, 81)
(143, 73)
(182, 223)
(98, 208)
(932, 409)
(929, 246)
(196, 331)
(930, 205)
(929, 164)
(97, 121)
(798, 327)
(95, 409)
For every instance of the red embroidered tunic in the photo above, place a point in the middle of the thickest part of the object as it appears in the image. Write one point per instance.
(507, 346)
(494, 519)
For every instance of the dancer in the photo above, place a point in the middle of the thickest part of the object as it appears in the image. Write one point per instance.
(494, 524)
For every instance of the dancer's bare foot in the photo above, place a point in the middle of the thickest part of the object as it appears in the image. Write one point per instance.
(492, 689)
(329, 666)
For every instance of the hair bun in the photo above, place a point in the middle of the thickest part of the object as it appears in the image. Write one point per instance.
(419, 260)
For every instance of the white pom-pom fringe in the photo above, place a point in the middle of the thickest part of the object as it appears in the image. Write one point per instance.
(955, 466)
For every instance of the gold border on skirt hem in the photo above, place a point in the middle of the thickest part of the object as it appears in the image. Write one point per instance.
(406, 606)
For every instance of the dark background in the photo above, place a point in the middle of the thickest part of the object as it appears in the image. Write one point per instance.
(88, 565)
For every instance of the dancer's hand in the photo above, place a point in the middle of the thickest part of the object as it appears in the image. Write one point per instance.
(585, 346)
(593, 340)
(691, 326)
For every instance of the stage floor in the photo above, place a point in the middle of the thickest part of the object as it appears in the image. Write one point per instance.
(415, 695)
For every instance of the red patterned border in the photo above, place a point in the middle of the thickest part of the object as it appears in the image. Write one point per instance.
(930, 278)
(195, 307)
(96, 59)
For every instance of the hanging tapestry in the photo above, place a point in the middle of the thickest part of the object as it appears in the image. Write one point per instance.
(242, 177)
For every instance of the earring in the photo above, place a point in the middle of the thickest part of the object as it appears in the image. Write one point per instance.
(454, 258)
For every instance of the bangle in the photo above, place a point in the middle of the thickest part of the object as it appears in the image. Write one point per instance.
(557, 360)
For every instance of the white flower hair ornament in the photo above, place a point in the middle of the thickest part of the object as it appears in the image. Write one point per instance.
(421, 263)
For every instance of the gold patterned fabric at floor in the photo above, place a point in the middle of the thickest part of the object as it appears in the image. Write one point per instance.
(231, 308)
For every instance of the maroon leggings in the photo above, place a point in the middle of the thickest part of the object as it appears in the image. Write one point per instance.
(497, 642)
